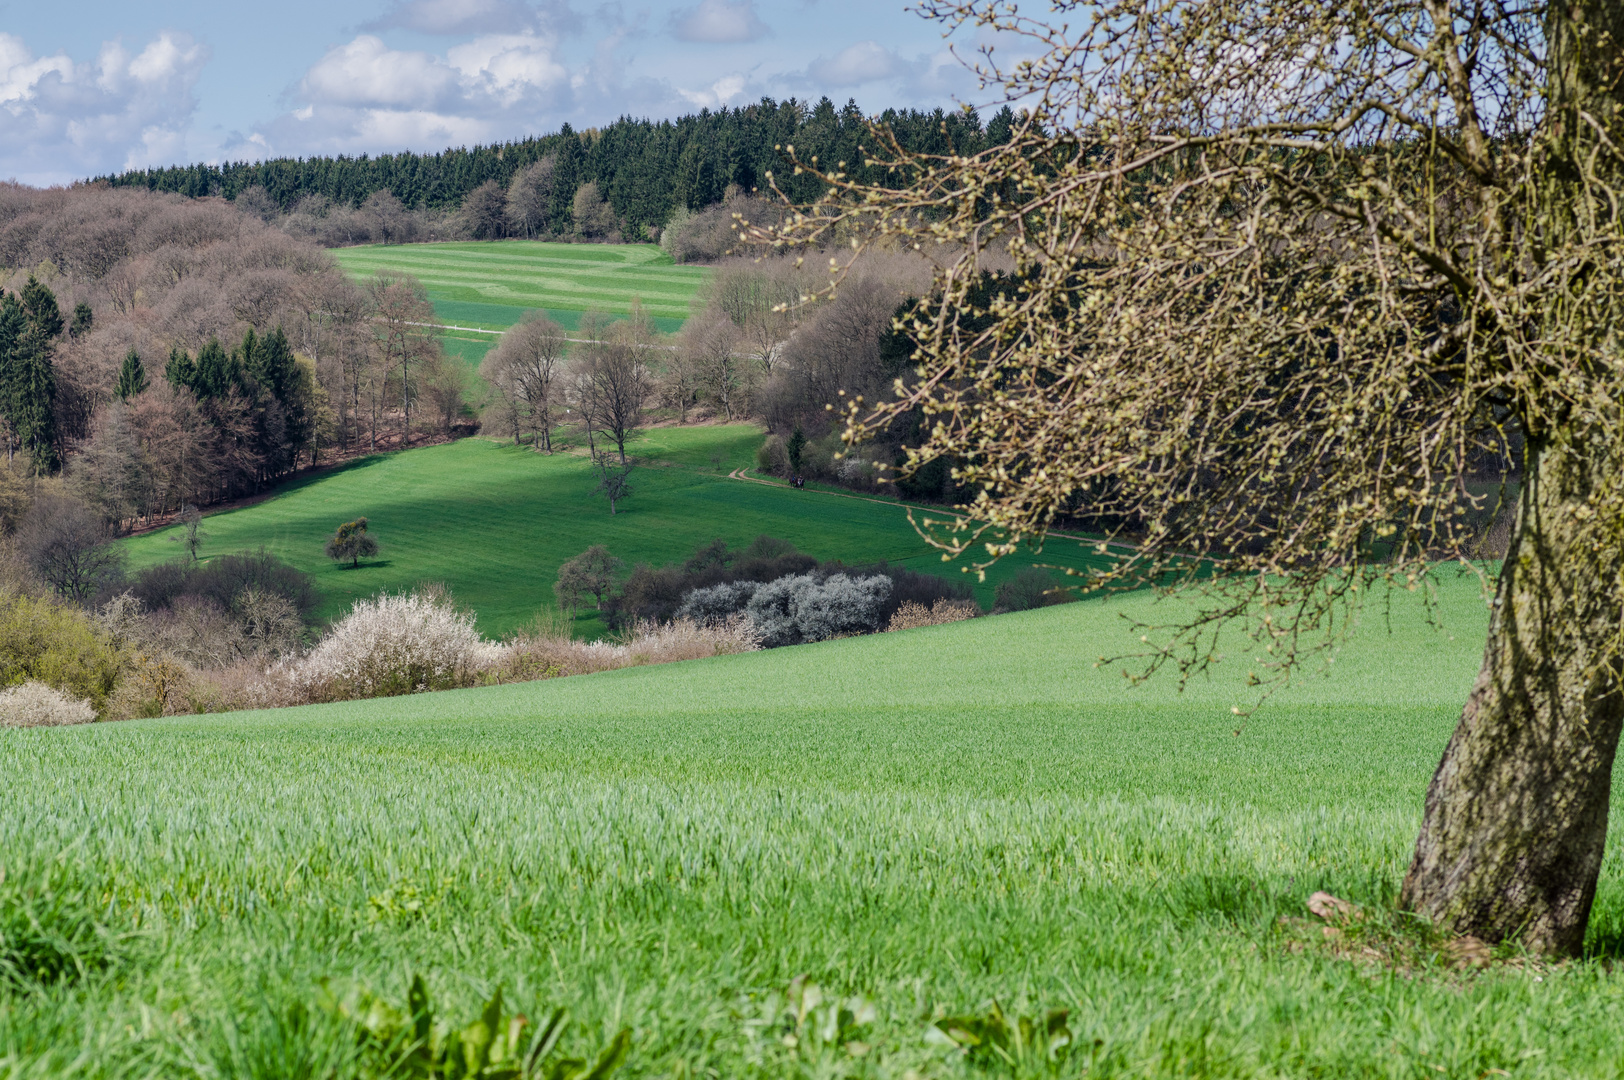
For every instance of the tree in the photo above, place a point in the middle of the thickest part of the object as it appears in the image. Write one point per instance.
(530, 197)
(29, 325)
(83, 319)
(1290, 282)
(350, 541)
(708, 352)
(69, 547)
(524, 368)
(132, 377)
(591, 573)
(403, 336)
(794, 447)
(192, 534)
(485, 211)
(613, 379)
(613, 478)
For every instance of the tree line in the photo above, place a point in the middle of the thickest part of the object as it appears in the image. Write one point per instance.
(643, 169)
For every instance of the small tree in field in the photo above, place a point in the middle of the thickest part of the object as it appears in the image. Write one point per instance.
(1292, 284)
(591, 573)
(613, 478)
(351, 542)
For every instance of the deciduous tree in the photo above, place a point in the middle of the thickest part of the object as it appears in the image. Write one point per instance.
(1291, 281)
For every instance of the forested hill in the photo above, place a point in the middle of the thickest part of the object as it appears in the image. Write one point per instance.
(645, 168)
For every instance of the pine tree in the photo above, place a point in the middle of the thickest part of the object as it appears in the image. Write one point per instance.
(132, 377)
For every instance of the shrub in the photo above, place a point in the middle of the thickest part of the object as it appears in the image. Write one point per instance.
(1029, 588)
(911, 614)
(718, 602)
(802, 608)
(391, 645)
(224, 580)
(772, 457)
(33, 704)
(45, 641)
(549, 652)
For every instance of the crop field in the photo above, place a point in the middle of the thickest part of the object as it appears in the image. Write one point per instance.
(493, 521)
(925, 822)
(490, 285)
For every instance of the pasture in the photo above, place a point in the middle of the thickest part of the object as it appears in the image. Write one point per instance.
(489, 285)
(493, 521)
(926, 821)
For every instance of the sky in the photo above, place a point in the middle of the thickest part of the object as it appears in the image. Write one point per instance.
(90, 88)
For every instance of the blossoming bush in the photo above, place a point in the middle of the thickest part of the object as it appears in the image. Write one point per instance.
(33, 704)
(386, 646)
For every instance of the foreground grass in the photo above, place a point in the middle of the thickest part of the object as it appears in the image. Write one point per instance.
(930, 819)
(491, 285)
(494, 521)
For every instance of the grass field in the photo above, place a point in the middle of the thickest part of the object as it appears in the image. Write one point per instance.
(931, 820)
(494, 521)
(490, 285)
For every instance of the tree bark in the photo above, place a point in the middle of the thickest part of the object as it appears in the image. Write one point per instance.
(1516, 816)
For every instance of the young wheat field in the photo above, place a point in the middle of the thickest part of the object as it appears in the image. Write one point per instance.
(924, 821)
(490, 285)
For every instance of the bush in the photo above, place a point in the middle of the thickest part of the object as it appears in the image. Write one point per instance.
(53, 643)
(910, 614)
(772, 457)
(392, 645)
(33, 704)
(69, 547)
(551, 653)
(1028, 589)
(224, 580)
(800, 608)
(717, 603)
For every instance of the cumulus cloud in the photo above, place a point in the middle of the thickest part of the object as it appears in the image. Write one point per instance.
(719, 21)
(866, 61)
(61, 119)
(719, 93)
(367, 96)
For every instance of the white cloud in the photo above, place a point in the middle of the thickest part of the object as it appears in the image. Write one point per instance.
(721, 92)
(866, 61)
(61, 119)
(452, 17)
(368, 72)
(364, 96)
(719, 21)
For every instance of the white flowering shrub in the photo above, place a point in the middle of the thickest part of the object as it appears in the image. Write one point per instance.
(799, 607)
(390, 645)
(33, 704)
(718, 602)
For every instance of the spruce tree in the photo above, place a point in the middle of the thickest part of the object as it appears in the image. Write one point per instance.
(132, 377)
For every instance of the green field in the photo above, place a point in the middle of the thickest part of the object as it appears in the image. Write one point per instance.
(931, 820)
(490, 285)
(494, 521)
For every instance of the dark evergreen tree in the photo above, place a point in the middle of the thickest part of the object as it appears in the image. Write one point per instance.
(132, 377)
(83, 318)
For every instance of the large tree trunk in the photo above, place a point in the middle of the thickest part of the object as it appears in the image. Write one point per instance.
(1516, 817)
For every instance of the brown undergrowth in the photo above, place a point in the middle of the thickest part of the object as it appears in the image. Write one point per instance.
(1391, 940)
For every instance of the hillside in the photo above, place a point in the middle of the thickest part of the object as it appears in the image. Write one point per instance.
(493, 521)
(489, 285)
(929, 820)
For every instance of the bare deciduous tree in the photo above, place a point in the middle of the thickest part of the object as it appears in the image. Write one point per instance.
(403, 336)
(484, 211)
(524, 368)
(530, 197)
(612, 378)
(1290, 281)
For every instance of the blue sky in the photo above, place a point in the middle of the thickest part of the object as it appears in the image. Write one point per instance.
(95, 87)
